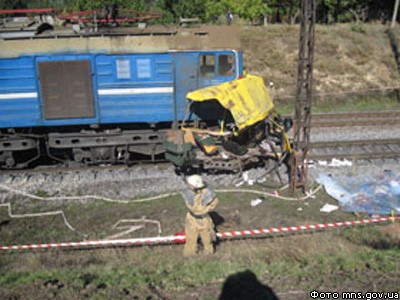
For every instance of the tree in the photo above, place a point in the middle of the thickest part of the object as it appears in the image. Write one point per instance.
(251, 10)
(214, 9)
(395, 10)
(13, 4)
(323, 9)
(190, 9)
(294, 10)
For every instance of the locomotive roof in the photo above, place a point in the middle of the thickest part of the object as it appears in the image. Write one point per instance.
(121, 40)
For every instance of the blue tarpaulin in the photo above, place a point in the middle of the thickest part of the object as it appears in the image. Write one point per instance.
(378, 194)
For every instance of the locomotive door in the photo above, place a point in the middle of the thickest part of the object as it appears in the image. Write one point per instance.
(186, 80)
(66, 88)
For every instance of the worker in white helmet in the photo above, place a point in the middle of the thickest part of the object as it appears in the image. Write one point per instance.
(200, 200)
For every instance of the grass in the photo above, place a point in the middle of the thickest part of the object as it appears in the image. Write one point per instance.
(347, 57)
(166, 270)
(283, 263)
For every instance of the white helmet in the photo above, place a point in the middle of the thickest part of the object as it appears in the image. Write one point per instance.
(196, 181)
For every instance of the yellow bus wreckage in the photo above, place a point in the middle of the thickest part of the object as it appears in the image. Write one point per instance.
(247, 99)
(230, 127)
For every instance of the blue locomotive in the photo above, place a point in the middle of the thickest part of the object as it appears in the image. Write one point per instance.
(86, 100)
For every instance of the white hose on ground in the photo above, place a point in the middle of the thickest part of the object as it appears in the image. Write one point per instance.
(131, 228)
(60, 212)
(309, 194)
(95, 197)
(43, 214)
(83, 197)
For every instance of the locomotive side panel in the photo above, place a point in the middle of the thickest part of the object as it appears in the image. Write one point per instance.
(135, 88)
(186, 74)
(19, 101)
(84, 89)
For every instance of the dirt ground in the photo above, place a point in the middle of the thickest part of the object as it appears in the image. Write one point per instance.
(392, 230)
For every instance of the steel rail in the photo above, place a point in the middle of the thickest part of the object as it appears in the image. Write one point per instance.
(349, 143)
(357, 156)
(377, 114)
(356, 149)
(380, 118)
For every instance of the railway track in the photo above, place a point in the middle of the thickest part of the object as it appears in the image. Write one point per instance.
(369, 149)
(355, 119)
(323, 150)
(356, 149)
(349, 149)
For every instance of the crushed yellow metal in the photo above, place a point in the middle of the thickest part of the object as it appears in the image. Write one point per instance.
(247, 99)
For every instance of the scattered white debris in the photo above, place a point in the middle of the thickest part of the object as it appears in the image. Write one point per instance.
(300, 209)
(335, 163)
(224, 155)
(261, 180)
(245, 176)
(266, 146)
(340, 163)
(239, 183)
(256, 202)
(329, 208)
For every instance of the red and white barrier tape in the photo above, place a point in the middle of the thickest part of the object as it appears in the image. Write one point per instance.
(182, 238)
(304, 227)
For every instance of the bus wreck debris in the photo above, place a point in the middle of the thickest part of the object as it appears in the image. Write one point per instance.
(230, 127)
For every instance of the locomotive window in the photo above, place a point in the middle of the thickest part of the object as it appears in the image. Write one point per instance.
(207, 65)
(143, 68)
(226, 64)
(123, 69)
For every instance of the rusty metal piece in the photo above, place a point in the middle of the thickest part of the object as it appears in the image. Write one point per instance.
(302, 119)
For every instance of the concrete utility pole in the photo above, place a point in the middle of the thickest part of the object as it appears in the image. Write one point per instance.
(396, 8)
(302, 117)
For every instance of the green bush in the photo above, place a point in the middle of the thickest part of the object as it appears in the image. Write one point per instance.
(358, 27)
